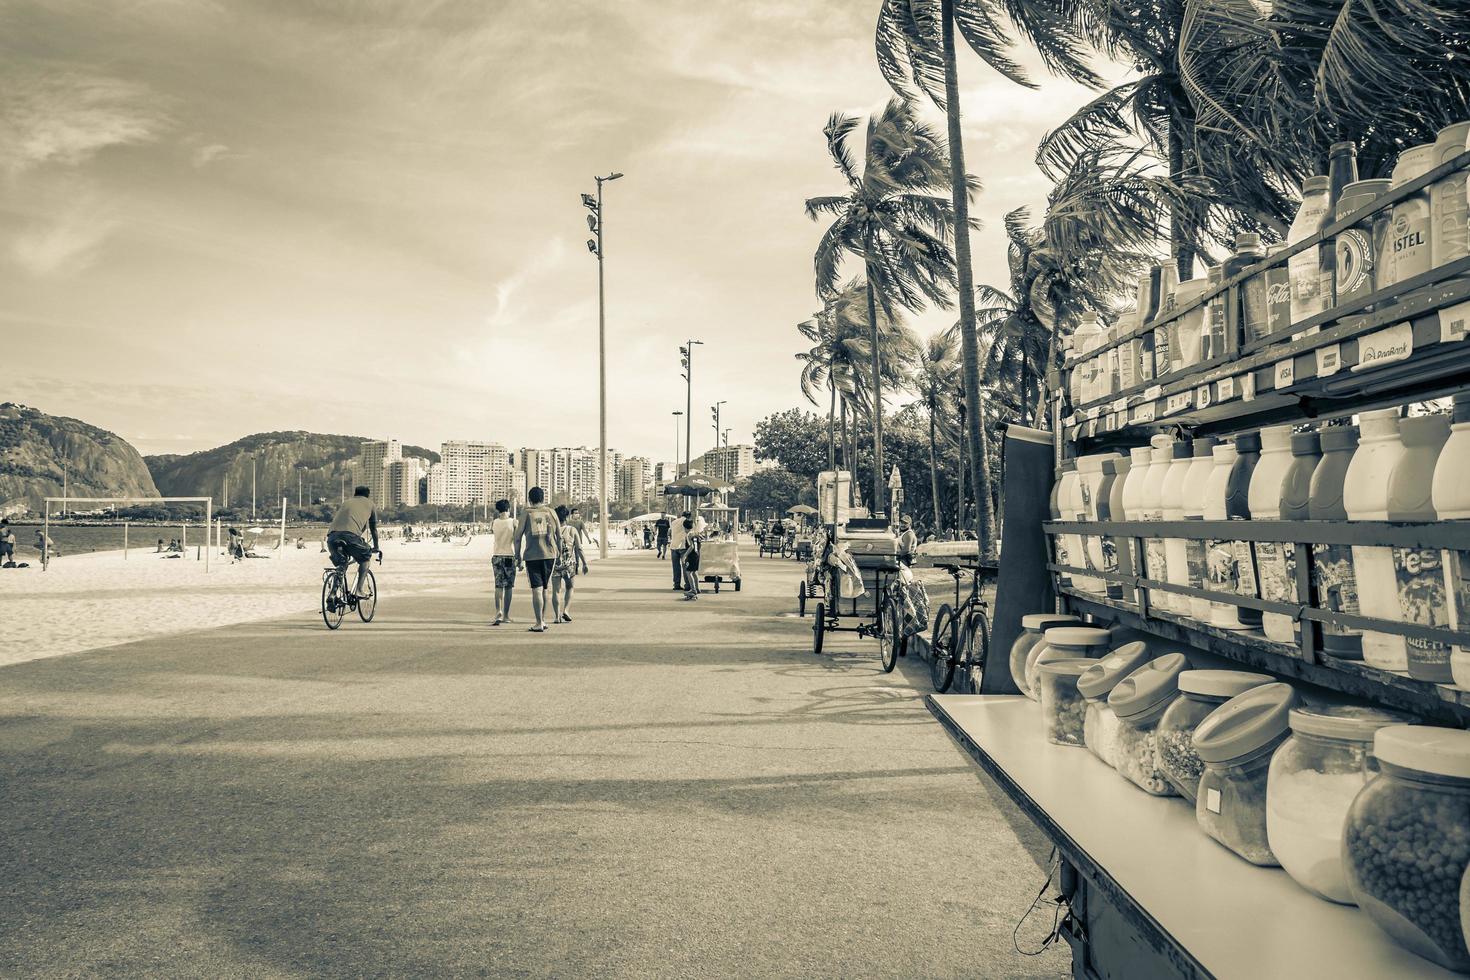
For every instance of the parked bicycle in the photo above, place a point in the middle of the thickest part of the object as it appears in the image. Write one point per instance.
(961, 637)
(338, 600)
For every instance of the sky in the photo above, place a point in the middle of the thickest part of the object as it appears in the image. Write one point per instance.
(220, 217)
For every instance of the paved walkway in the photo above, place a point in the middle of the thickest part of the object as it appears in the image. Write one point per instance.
(660, 788)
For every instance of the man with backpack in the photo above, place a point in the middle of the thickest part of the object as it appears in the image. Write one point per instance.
(539, 535)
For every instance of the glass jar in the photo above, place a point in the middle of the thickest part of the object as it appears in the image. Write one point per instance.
(1236, 743)
(1062, 642)
(1063, 708)
(1313, 779)
(1407, 840)
(1032, 628)
(1100, 724)
(1201, 692)
(1139, 701)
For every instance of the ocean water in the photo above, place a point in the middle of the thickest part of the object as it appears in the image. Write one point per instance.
(76, 539)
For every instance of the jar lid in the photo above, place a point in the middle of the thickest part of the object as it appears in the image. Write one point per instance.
(1306, 444)
(1316, 184)
(1382, 424)
(1248, 442)
(1276, 437)
(1105, 674)
(1154, 682)
(1441, 751)
(1336, 438)
(1161, 440)
(1348, 722)
(1077, 636)
(1068, 666)
(1246, 723)
(1221, 683)
(1247, 239)
(1424, 430)
(1038, 622)
(1204, 446)
(1112, 467)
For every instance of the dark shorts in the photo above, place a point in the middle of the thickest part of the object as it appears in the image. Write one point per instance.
(538, 570)
(347, 546)
(7, 549)
(505, 571)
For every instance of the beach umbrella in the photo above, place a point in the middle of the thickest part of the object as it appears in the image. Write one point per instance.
(696, 485)
(801, 509)
(650, 516)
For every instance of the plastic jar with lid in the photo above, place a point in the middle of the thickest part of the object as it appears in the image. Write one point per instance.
(1314, 777)
(1407, 840)
(1062, 642)
(1099, 724)
(1063, 708)
(1032, 628)
(1140, 701)
(1201, 692)
(1236, 743)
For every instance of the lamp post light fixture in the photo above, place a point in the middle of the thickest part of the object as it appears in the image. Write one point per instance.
(597, 247)
(686, 358)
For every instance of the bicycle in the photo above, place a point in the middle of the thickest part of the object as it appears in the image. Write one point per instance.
(337, 601)
(961, 635)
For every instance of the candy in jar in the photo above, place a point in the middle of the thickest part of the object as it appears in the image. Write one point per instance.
(1139, 701)
(1236, 743)
(1032, 628)
(1063, 709)
(1100, 725)
(1200, 693)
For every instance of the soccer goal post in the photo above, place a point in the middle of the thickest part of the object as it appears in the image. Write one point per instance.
(115, 502)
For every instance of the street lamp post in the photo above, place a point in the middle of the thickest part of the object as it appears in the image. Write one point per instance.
(595, 246)
(677, 416)
(687, 359)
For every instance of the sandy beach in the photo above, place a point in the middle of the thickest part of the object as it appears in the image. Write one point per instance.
(85, 602)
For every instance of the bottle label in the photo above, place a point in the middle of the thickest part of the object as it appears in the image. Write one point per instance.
(1254, 321)
(1409, 238)
(1419, 573)
(1278, 300)
(1354, 265)
(1162, 353)
(1220, 566)
(1155, 565)
(1457, 587)
(1450, 207)
(1194, 561)
(1276, 577)
(1245, 569)
(1307, 299)
(1334, 584)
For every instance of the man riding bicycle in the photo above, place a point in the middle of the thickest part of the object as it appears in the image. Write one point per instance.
(345, 542)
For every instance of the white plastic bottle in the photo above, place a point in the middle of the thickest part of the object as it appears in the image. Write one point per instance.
(1307, 298)
(1450, 491)
(1151, 508)
(1265, 505)
(1220, 552)
(1084, 339)
(1090, 476)
(1176, 553)
(1196, 482)
(1069, 498)
(1365, 498)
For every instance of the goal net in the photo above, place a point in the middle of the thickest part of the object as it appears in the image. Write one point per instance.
(169, 527)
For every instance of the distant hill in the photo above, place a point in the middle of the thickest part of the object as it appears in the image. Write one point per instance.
(326, 464)
(35, 449)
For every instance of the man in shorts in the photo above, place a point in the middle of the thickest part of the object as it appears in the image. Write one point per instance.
(7, 544)
(506, 559)
(661, 529)
(345, 542)
(538, 536)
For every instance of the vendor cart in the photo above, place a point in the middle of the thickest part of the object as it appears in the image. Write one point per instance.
(878, 612)
(719, 561)
(773, 544)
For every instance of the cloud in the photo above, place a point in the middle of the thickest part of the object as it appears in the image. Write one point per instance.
(203, 156)
(546, 260)
(63, 238)
(50, 116)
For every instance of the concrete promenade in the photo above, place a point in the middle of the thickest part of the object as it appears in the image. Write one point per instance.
(660, 788)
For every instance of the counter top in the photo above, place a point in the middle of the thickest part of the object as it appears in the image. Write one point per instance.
(1230, 918)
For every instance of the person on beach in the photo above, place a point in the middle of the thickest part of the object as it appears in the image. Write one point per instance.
(7, 544)
(908, 541)
(692, 540)
(661, 533)
(678, 541)
(45, 545)
(345, 542)
(570, 561)
(506, 559)
(539, 536)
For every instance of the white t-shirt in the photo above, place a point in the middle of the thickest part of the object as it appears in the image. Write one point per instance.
(504, 529)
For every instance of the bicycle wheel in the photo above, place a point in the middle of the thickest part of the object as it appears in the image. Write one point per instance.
(333, 605)
(977, 649)
(943, 642)
(890, 638)
(367, 603)
(819, 627)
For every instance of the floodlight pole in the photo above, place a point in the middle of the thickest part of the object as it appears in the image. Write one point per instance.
(601, 374)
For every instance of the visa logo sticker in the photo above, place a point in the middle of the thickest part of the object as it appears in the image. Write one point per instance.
(1386, 346)
(1285, 373)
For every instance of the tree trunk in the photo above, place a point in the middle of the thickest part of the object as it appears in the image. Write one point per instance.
(959, 499)
(966, 276)
(831, 420)
(934, 471)
(857, 495)
(1183, 221)
(879, 495)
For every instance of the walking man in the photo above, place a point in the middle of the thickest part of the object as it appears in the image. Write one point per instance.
(506, 559)
(538, 536)
(661, 527)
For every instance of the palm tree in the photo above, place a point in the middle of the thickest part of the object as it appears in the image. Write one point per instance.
(835, 361)
(891, 219)
(916, 49)
(936, 372)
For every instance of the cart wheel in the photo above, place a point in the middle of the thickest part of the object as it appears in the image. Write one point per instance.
(977, 643)
(801, 598)
(891, 639)
(737, 585)
(785, 552)
(942, 644)
(819, 627)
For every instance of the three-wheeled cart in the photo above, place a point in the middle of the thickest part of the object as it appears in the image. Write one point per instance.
(773, 544)
(719, 561)
(878, 613)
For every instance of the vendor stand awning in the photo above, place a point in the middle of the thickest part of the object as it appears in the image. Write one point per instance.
(696, 485)
(801, 509)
